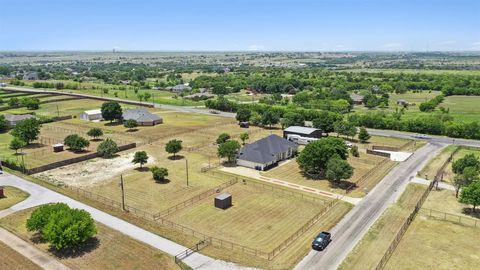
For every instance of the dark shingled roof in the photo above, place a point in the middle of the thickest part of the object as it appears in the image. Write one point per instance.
(264, 150)
(140, 115)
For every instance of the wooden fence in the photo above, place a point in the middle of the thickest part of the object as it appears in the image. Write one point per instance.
(195, 199)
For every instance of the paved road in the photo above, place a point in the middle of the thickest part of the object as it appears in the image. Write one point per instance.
(134, 102)
(37, 256)
(348, 232)
(41, 195)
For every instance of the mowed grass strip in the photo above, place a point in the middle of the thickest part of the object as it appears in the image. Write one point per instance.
(10, 259)
(463, 108)
(259, 218)
(373, 245)
(111, 250)
(12, 196)
(435, 244)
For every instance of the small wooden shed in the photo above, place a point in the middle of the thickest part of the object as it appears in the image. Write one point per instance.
(58, 147)
(223, 201)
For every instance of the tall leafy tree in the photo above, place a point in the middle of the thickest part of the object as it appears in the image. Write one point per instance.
(140, 157)
(111, 111)
(107, 148)
(229, 150)
(27, 130)
(75, 142)
(270, 117)
(363, 135)
(471, 194)
(173, 146)
(223, 138)
(338, 169)
(243, 114)
(314, 158)
(95, 133)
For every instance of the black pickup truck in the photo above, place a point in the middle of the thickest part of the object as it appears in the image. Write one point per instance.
(321, 241)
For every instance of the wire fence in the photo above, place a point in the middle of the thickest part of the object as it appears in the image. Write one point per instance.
(472, 222)
(398, 237)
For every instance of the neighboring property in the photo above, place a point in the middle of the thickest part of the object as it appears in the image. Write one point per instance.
(92, 115)
(266, 153)
(200, 96)
(29, 76)
(402, 102)
(307, 132)
(181, 88)
(357, 99)
(142, 116)
(13, 119)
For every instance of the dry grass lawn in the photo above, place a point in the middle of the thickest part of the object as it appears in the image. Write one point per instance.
(445, 201)
(12, 260)
(111, 250)
(433, 244)
(12, 196)
(364, 164)
(371, 248)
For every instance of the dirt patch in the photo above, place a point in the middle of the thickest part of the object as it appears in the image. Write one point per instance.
(92, 172)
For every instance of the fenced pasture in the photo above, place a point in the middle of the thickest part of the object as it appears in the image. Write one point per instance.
(431, 242)
(368, 171)
(258, 218)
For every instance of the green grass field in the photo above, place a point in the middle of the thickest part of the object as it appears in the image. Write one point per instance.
(96, 89)
(463, 108)
(371, 248)
(12, 196)
(113, 251)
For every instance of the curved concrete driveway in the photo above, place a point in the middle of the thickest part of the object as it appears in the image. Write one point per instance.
(40, 195)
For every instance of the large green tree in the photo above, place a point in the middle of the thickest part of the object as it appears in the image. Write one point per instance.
(95, 133)
(140, 157)
(325, 120)
(471, 194)
(314, 158)
(338, 169)
(75, 142)
(292, 119)
(363, 135)
(107, 148)
(223, 138)
(62, 226)
(111, 111)
(229, 150)
(159, 174)
(173, 146)
(27, 130)
(270, 117)
(243, 114)
(469, 160)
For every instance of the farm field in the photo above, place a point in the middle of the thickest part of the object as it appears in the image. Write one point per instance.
(12, 197)
(124, 92)
(11, 259)
(427, 244)
(369, 251)
(463, 108)
(108, 250)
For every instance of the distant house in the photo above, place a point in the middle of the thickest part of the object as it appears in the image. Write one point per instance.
(13, 119)
(125, 82)
(92, 115)
(266, 153)
(306, 132)
(181, 88)
(357, 99)
(402, 102)
(29, 76)
(142, 116)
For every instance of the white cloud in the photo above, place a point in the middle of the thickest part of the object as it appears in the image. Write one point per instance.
(476, 45)
(255, 47)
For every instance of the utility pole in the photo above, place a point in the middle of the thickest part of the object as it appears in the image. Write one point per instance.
(186, 169)
(123, 192)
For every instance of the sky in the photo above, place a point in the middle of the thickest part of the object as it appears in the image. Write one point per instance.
(240, 25)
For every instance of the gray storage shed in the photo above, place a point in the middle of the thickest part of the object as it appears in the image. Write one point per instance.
(223, 201)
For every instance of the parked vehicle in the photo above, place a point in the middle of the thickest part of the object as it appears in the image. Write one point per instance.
(321, 241)
(299, 139)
